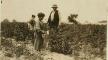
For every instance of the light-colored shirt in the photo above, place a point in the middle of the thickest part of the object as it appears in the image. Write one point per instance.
(38, 24)
(30, 26)
(52, 15)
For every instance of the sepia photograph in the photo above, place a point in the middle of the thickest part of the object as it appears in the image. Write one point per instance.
(53, 29)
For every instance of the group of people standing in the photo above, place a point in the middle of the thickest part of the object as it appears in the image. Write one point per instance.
(37, 26)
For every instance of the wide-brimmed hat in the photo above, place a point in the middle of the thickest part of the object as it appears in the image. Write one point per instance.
(54, 6)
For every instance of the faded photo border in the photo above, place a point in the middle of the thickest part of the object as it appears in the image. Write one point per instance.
(82, 15)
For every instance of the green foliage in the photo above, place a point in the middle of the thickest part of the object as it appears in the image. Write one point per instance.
(72, 37)
(82, 41)
(14, 29)
(72, 18)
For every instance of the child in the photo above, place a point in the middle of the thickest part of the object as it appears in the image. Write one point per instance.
(39, 32)
(31, 26)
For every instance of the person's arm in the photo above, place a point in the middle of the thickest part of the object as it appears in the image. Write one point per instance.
(59, 18)
(49, 18)
(29, 26)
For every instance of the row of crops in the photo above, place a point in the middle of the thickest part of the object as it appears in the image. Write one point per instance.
(70, 38)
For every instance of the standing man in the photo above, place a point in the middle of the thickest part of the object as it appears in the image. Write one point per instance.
(53, 23)
(53, 20)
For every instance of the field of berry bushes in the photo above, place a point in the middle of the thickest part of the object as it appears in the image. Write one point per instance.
(81, 41)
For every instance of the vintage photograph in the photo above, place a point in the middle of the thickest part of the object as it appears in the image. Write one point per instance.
(53, 30)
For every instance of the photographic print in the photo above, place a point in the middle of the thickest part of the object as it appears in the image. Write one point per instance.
(53, 29)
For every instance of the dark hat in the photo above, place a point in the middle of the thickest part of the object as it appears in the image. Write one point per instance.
(41, 14)
(54, 6)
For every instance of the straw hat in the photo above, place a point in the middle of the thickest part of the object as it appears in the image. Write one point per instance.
(54, 6)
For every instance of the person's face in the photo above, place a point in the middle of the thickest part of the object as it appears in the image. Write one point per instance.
(41, 18)
(33, 17)
(54, 8)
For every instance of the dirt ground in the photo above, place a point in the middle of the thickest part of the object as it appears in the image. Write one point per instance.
(43, 55)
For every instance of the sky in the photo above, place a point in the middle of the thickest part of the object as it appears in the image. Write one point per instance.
(89, 11)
